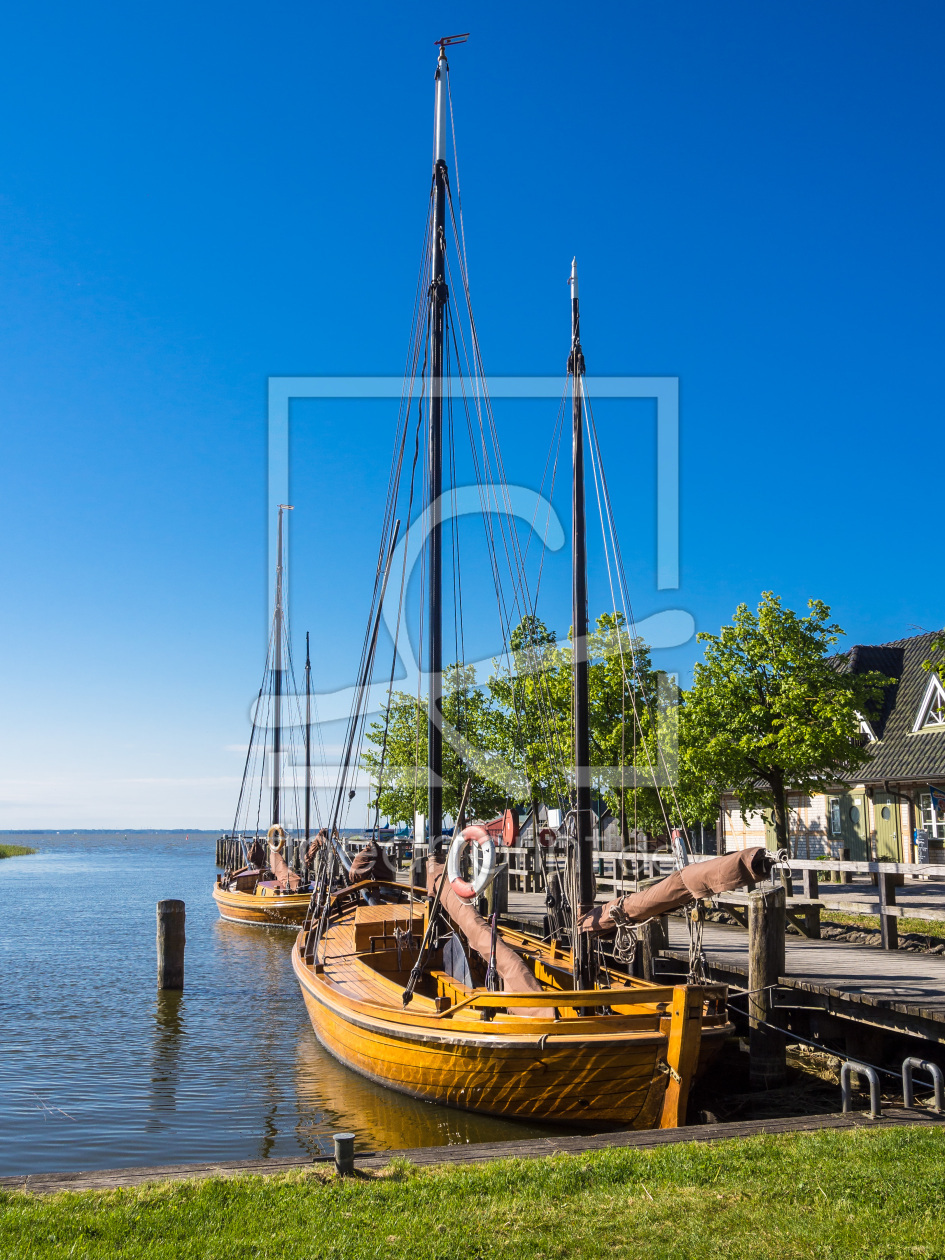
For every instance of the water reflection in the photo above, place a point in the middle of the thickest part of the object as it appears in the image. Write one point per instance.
(228, 1069)
(165, 1057)
(332, 1096)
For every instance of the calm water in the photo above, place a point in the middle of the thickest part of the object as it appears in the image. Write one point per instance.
(98, 1070)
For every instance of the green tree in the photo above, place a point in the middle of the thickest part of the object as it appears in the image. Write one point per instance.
(532, 705)
(937, 664)
(769, 710)
(631, 743)
(468, 743)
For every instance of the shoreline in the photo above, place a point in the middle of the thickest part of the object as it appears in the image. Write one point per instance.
(473, 1152)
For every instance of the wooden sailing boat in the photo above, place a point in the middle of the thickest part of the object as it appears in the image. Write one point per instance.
(265, 891)
(413, 989)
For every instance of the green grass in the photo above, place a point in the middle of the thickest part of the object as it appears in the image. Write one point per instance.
(834, 1196)
(921, 927)
(14, 850)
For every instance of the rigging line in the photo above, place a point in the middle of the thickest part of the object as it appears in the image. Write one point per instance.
(255, 729)
(458, 650)
(486, 465)
(459, 194)
(558, 432)
(554, 755)
(597, 472)
(421, 718)
(400, 608)
(417, 340)
(622, 574)
(597, 466)
(484, 402)
(552, 450)
(295, 746)
(360, 732)
(492, 451)
(359, 704)
(477, 374)
(249, 749)
(414, 340)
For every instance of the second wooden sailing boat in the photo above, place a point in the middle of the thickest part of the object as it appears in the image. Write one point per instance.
(264, 891)
(411, 987)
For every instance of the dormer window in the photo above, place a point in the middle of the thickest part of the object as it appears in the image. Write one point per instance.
(866, 729)
(931, 715)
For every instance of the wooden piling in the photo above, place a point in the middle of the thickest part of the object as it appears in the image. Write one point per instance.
(767, 920)
(888, 923)
(653, 937)
(810, 885)
(170, 944)
(497, 893)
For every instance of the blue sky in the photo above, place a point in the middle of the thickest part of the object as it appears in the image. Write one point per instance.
(193, 199)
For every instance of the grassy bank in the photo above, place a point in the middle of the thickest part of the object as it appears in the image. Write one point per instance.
(14, 850)
(933, 928)
(860, 1193)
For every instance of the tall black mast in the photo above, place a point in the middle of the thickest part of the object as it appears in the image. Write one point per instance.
(583, 969)
(308, 741)
(438, 299)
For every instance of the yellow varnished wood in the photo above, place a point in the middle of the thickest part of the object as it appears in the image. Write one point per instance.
(249, 907)
(483, 1051)
(682, 1052)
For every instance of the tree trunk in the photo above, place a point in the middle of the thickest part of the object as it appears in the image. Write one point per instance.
(624, 821)
(780, 811)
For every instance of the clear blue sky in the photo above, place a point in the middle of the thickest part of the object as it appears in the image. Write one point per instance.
(194, 198)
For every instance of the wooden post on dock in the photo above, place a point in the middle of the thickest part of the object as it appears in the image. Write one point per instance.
(767, 921)
(170, 944)
(888, 923)
(497, 894)
(811, 888)
(653, 937)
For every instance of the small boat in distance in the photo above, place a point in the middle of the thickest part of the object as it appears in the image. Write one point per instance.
(264, 890)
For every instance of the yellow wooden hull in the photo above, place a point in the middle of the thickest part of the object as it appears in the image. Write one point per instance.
(631, 1068)
(287, 911)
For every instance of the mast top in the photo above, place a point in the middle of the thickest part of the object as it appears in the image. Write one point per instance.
(445, 40)
(442, 68)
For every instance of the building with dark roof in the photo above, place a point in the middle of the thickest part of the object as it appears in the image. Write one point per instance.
(897, 806)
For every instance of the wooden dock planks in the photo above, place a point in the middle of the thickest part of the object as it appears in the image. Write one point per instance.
(471, 1153)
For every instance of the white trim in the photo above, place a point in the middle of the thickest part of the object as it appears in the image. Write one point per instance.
(934, 698)
(866, 728)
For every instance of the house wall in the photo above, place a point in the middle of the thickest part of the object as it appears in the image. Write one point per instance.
(810, 825)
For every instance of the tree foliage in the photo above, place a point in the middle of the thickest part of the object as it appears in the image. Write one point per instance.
(531, 699)
(468, 721)
(770, 709)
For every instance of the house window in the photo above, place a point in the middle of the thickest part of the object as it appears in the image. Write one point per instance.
(932, 820)
(931, 713)
(836, 826)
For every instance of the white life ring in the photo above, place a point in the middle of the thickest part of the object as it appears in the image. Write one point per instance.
(481, 877)
(279, 843)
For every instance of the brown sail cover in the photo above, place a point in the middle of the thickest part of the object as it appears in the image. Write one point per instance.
(515, 975)
(317, 842)
(699, 879)
(280, 868)
(371, 863)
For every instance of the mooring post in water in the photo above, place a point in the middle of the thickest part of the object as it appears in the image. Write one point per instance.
(767, 921)
(170, 944)
(344, 1153)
